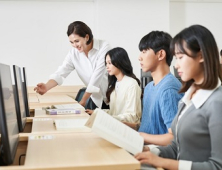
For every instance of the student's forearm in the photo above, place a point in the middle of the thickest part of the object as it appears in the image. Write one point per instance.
(50, 84)
(161, 140)
(85, 96)
(169, 164)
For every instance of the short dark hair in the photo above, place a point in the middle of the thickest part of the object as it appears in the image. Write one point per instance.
(220, 52)
(197, 38)
(81, 29)
(157, 40)
(120, 59)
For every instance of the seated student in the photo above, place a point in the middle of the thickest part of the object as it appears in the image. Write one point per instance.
(197, 127)
(161, 97)
(123, 92)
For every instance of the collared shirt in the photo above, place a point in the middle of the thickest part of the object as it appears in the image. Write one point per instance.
(91, 70)
(198, 100)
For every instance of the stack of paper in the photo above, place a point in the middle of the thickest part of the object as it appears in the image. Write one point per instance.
(70, 124)
(115, 131)
(62, 111)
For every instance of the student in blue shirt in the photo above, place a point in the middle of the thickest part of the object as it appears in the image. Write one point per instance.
(197, 126)
(161, 97)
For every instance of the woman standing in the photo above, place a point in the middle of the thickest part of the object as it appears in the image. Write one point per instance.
(197, 126)
(87, 58)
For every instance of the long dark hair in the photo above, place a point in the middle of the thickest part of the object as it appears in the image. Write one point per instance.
(120, 59)
(197, 39)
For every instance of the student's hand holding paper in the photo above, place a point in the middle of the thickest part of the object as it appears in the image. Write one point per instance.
(149, 158)
(146, 148)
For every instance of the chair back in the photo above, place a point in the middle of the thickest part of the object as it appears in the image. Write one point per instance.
(80, 94)
(90, 104)
(145, 78)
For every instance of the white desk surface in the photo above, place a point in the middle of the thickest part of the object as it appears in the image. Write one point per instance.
(33, 98)
(46, 126)
(37, 101)
(55, 98)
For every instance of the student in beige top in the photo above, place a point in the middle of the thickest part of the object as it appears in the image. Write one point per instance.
(124, 93)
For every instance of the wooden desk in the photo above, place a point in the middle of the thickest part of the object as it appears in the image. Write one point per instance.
(49, 99)
(44, 122)
(55, 98)
(33, 98)
(77, 151)
(73, 151)
(64, 90)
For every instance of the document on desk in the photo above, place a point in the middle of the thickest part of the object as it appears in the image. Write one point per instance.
(62, 111)
(70, 124)
(115, 131)
(68, 106)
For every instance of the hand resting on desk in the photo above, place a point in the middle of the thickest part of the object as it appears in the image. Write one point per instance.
(89, 111)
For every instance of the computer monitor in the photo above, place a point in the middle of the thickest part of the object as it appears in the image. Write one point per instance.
(8, 120)
(19, 99)
(25, 92)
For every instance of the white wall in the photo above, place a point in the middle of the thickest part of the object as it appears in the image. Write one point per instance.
(33, 33)
(124, 22)
(184, 13)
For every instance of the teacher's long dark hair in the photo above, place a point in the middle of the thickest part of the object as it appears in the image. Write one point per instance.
(120, 59)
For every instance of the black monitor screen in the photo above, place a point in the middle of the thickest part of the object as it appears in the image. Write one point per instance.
(8, 119)
(25, 92)
(19, 99)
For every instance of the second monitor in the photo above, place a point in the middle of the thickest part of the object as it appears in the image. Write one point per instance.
(25, 92)
(8, 121)
(19, 98)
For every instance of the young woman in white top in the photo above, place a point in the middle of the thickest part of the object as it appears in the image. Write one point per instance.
(124, 93)
(197, 126)
(87, 58)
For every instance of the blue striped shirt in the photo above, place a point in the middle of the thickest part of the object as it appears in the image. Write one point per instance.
(160, 105)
